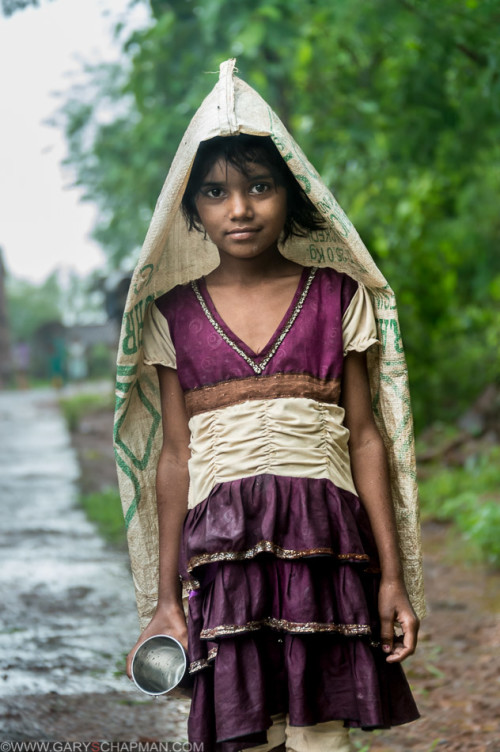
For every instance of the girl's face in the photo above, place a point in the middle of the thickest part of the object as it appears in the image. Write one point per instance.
(242, 214)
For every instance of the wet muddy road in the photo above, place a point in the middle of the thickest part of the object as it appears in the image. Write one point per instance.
(67, 606)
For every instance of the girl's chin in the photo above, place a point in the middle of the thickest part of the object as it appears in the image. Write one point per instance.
(246, 251)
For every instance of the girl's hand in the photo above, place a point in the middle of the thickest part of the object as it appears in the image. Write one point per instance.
(394, 606)
(166, 620)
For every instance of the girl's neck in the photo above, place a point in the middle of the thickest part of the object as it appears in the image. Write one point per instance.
(248, 272)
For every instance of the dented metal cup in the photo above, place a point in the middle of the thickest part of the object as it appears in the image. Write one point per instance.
(159, 665)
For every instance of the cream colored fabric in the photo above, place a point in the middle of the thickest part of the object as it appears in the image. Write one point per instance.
(156, 341)
(323, 737)
(290, 436)
(171, 255)
(359, 330)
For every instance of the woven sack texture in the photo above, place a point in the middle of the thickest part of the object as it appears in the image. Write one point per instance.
(171, 255)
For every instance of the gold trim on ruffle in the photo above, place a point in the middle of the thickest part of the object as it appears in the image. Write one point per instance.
(309, 627)
(203, 662)
(265, 546)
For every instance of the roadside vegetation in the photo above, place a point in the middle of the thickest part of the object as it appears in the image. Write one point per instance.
(79, 406)
(105, 510)
(89, 417)
(467, 496)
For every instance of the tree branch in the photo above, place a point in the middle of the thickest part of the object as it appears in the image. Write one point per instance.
(477, 57)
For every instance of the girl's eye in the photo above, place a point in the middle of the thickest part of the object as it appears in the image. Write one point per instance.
(260, 188)
(213, 192)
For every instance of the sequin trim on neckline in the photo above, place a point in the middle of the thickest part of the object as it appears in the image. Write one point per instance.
(258, 368)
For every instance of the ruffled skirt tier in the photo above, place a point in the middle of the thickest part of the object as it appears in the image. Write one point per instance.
(282, 575)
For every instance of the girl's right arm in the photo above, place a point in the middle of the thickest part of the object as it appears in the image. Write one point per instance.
(171, 492)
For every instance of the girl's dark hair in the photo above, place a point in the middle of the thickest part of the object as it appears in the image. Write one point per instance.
(302, 216)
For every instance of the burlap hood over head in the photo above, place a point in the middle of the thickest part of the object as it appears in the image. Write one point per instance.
(171, 255)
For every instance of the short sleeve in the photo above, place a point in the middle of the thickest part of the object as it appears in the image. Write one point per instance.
(157, 342)
(359, 328)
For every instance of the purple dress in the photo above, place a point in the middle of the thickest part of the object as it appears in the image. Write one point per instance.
(277, 552)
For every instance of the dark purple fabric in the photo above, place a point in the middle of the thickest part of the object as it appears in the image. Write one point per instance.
(294, 513)
(312, 346)
(316, 589)
(313, 678)
(255, 674)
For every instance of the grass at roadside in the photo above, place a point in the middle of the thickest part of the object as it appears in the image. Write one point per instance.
(468, 497)
(104, 509)
(102, 505)
(76, 407)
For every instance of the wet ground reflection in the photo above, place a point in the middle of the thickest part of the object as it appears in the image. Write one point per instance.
(68, 609)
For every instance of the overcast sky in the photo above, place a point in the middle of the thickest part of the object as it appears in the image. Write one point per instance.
(43, 225)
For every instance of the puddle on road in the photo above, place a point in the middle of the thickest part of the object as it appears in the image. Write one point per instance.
(68, 610)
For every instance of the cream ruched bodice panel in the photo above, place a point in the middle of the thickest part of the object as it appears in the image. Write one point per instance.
(294, 437)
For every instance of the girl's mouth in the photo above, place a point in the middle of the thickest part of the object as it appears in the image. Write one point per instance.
(242, 233)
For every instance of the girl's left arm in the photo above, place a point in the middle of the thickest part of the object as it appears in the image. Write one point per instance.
(371, 477)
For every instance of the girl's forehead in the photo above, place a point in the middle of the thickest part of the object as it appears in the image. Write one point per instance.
(223, 170)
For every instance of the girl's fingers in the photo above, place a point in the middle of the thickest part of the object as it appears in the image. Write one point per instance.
(387, 634)
(400, 651)
(130, 656)
(404, 645)
(129, 663)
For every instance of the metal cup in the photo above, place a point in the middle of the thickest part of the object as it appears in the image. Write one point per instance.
(159, 665)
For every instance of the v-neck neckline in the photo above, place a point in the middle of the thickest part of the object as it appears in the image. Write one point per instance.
(257, 361)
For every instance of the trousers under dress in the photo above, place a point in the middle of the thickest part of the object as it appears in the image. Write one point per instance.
(277, 553)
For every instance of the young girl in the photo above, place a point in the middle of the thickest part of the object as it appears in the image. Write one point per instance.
(272, 483)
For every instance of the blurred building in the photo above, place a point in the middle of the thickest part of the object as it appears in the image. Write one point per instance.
(61, 353)
(6, 366)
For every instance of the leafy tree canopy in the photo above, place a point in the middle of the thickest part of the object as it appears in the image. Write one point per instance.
(9, 7)
(394, 101)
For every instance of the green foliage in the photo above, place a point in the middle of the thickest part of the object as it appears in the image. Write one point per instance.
(100, 361)
(75, 408)
(396, 104)
(469, 497)
(29, 306)
(101, 507)
(9, 7)
(359, 742)
(104, 509)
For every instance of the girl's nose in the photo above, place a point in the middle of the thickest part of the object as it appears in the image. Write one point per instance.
(240, 205)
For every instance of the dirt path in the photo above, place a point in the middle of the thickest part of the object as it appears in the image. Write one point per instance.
(455, 674)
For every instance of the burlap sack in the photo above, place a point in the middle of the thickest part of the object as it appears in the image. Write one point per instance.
(171, 255)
